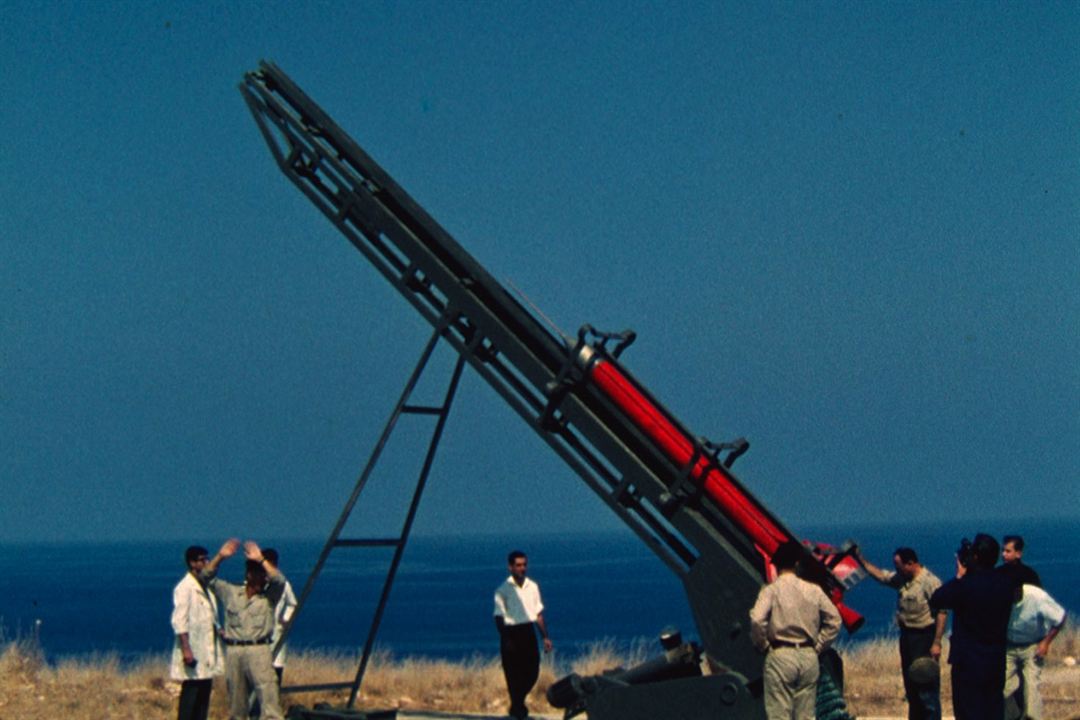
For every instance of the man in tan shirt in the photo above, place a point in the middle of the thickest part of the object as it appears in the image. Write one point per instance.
(920, 630)
(793, 621)
(249, 628)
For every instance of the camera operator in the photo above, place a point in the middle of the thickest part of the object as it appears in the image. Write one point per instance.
(981, 601)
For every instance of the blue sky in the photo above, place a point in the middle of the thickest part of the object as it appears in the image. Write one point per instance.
(849, 232)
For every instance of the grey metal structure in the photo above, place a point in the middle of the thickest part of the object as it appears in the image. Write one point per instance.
(399, 542)
(544, 378)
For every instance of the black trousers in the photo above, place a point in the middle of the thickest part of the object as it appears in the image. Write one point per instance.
(520, 656)
(978, 682)
(924, 701)
(194, 699)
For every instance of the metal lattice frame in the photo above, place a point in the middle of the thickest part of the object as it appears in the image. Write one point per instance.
(441, 413)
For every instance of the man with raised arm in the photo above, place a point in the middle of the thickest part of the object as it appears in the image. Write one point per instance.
(249, 628)
(282, 614)
(919, 628)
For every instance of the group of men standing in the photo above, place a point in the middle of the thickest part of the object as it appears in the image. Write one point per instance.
(240, 646)
(1002, 625)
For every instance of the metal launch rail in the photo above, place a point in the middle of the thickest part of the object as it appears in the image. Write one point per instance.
(675, 490)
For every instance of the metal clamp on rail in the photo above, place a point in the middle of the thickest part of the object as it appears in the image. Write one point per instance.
(625, 339)
(576, 365)
(691, 482)
(736, 448)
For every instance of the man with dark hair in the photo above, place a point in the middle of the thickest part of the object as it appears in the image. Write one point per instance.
(981, 601)
(249, 628)
(793, 622)
(283, 612)
(519, 612)
(1035, 621)
(197, 656)
(914, 584)
(1012, 562)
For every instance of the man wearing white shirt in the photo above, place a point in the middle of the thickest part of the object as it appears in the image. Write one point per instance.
(198, 655)
(1035, 621)
(282, 614)
(519, 611)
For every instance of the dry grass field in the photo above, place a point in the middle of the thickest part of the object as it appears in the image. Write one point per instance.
(873, 686)
(100, 689)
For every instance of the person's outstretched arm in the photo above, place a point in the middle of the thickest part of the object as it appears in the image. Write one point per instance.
(873, 570)
(228, 549)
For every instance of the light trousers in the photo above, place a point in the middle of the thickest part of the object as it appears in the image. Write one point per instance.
(247, 668)
(1022, 665)
(791, 677)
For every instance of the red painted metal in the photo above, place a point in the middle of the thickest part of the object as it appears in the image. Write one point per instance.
(739, 507)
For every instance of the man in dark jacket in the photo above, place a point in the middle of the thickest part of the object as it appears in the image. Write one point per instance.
(981, 601)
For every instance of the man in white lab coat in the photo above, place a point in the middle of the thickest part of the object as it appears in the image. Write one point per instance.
(198, 655)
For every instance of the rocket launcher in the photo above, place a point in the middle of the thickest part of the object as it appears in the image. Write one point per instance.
(675, 491)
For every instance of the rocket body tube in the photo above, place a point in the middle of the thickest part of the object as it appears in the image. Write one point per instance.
(735, 504)
(732, 501)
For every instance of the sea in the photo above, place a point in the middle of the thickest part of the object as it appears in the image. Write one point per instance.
(85, 600)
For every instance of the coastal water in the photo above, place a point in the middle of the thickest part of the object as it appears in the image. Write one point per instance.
(116, 598)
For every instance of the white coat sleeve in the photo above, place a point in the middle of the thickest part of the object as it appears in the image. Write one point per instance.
(288, 604)
(181, 608)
